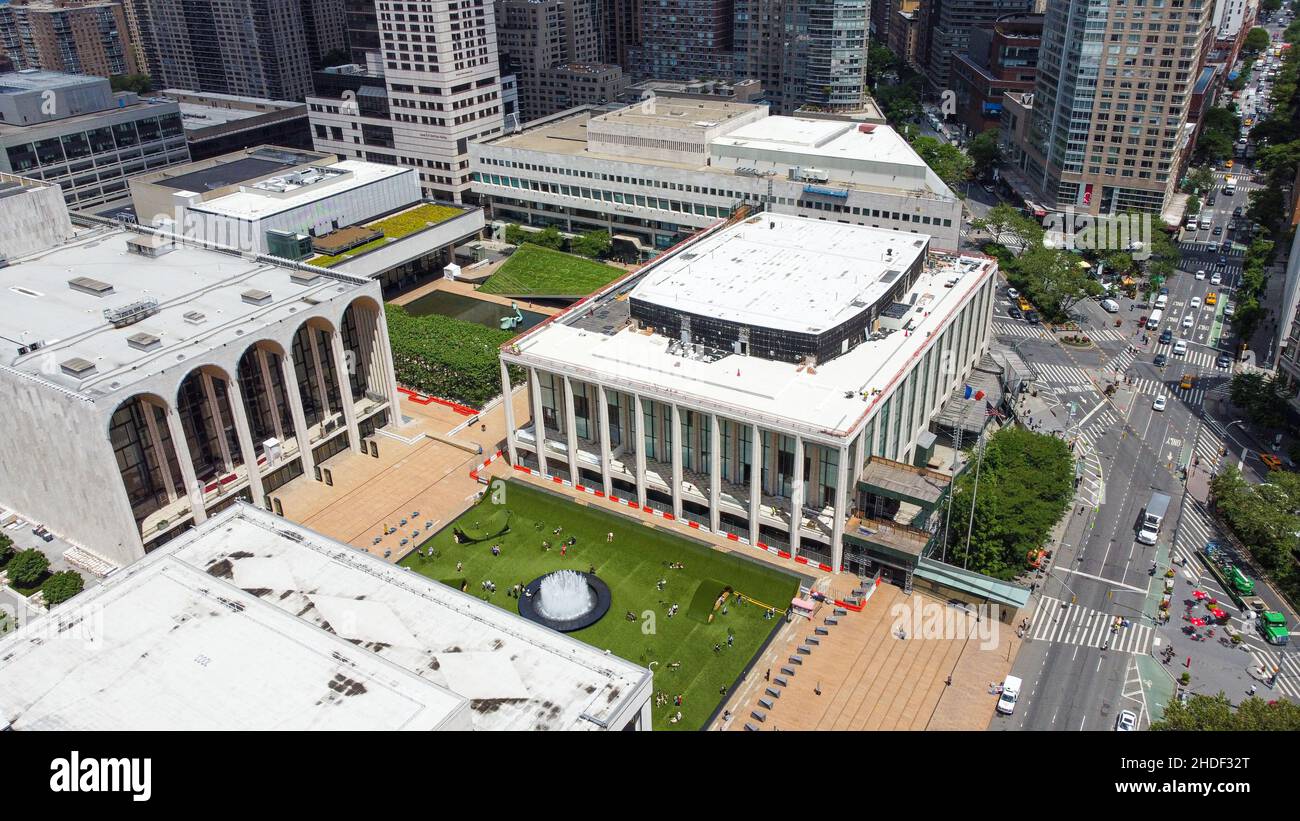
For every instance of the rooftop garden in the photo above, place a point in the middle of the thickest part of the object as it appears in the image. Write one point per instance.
(394, 228)
(534, 271)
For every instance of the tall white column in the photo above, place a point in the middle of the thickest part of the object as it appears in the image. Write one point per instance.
(796, 496)
(245, 436)
(571, 432)
(269, 387)
(289, 375)
(387, 375)
(841, 514)
(715, 473)
(639, 413)
(863, 446)
(539, 421)
(345, 391)
(155, 442)
(219, 426)
(607, 482)
(508, 403)
(193, 489)
(677, 460)
(755, 478)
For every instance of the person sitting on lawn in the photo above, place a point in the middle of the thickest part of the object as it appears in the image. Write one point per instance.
(572, 541)
(557, 531)
(546, 546)
(630, 616)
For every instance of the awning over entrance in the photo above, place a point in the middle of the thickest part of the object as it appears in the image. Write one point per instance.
(970, 582)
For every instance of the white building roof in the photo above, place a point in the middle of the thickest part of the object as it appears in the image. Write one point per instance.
(205, 299)
(265, 198)
(831, 400)
(298, 630)
(829, 139)
(783, 272)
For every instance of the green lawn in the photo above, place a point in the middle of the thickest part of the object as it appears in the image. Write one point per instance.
(632, 565)
(536, 271)
(394, 228)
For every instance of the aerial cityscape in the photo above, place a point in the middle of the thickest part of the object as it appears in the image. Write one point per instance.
(656, 365)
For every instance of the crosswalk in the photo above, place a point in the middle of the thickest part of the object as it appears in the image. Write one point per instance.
(1202, 359)
(1020, 329)
(1200, 246)
(1194, 530)
(1287, 666)
(1099, 426)
(1209, 447)
(1170, 388)
(1063, 376)
(1063, 622)
(1122, 361)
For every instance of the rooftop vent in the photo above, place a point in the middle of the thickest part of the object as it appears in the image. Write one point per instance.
(78, 367)
(256, 296)
(87, 285)
(195, 317)
(131, 312)
(303, 277)
(143, 341)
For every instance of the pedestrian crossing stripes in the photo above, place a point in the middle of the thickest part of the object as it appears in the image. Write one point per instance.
(1209, 447)
(1194, 529)
(1284, 664)
(1019, 329)
(1213, 248)
(1059, 375)
(1063, 622)
(1122, 361)
(1098, 427)
(1170, 388)
(1106, 335)
(1202, 359)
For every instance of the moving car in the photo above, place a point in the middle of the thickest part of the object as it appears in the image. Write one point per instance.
(1188, 321)
(1127, 721)
(1166, 336)
(1188, 382)
(1013, 293)
(1180, 347)
(1032, 317)
(1110, 306)
(1195, 303)
(1212, 298)
(1224, 361)
(1272, 461)
(1160, 360)
(1159, 404)
(1200, 274)
(1218, 231)
(1015, 313)
(1217, 279)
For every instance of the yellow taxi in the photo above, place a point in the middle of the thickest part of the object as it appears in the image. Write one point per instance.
(1189, 380)
(1272, 461)
(1227, 164)
(1212, 298)
(1249, 122)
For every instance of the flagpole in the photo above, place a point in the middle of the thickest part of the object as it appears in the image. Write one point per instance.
(979, 445)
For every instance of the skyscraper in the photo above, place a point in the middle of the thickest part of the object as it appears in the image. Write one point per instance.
(685, 40)
(73, 36)
(255, 48)
(947, 31)
(806, 53)
(1109, 130)
(538, 37)
(440, 88)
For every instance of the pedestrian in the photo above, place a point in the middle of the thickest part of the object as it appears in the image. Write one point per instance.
(768, 675)
(609, 537)
(948, 681)
(1253, 688)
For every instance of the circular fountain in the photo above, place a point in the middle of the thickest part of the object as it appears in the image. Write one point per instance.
(565, 600)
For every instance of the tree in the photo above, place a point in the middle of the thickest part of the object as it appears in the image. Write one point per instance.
(592, 244)
(516, 235)
(985, 153)
(948, 161)
(1218, 135)
(1026, 481)
(1216, 713)
(27, 567)
(1199, 180)
(1257, 40)
(1054, 280)
(139, 83)
(1009, 227)
(548, 237)
(62, 586)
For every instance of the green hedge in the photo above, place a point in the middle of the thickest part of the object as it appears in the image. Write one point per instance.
(446, 357)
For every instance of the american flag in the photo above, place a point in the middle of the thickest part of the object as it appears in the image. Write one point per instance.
(989, 410)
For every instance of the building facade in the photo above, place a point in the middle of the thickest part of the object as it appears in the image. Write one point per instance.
(1110, 126)
(74, 131)
(1000, 57)
(440, 89)
(745, 381)
(553, 48)
(947, 32)
(217, 124)
(68, 36)
(251, 48)
(182, 378)
(685, 40)
(657, 171)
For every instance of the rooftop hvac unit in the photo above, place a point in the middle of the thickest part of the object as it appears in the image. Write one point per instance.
(131, 312)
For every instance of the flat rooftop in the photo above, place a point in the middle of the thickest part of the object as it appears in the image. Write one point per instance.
(27, 80)
(829, 400)
(300, 632)
(783, 272)
(197, 116)
(679, 113)
(257, 164)
(832, 139)
(201, 305)
(258, 202)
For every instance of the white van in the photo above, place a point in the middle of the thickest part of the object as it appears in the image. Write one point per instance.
(1110, 306)
(1010, 692)
(1206, 221)
(1153, 321)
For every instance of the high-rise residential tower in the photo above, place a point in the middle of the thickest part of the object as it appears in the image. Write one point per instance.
(72, 36)
(1110, 127)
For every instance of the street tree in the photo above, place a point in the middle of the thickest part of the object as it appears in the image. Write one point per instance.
(948, 161)
(985, 153)
(1216, 713)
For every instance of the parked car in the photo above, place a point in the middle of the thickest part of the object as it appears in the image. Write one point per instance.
(1013, 293)
(1127, 721)
(1032, 317)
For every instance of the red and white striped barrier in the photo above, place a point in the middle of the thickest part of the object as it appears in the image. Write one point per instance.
(422, 399)
(473, 474)
(670, 517)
